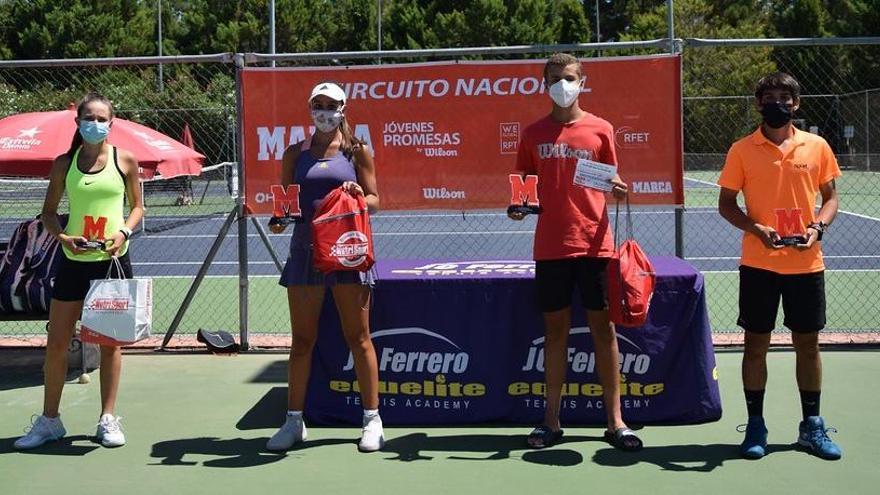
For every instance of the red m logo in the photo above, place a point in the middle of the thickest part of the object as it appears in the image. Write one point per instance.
(285, 202)
(788, 221)
(524, 192)
(94, 229)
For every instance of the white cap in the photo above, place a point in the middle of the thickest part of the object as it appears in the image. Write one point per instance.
(329, 90)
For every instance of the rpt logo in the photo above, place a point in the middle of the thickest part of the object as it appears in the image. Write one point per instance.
(509, 137)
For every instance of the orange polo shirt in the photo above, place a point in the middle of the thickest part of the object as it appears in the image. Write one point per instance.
(780, 190)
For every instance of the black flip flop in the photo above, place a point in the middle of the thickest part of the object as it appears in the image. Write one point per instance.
(546, 435)
(624, 439)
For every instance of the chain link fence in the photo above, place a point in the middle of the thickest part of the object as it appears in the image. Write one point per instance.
(719, 78)
(184, 215)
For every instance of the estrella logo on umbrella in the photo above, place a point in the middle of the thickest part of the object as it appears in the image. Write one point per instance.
(26, 139)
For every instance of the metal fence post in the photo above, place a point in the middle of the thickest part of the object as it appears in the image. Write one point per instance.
(242, 215)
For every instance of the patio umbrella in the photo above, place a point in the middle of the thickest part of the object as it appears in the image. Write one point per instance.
(29, 142)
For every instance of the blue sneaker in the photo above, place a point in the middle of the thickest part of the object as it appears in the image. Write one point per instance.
(813, 437)
(754, 446)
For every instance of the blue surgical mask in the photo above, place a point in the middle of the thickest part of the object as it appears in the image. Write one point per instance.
(94, 132)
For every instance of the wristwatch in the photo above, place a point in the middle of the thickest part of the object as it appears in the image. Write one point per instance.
(818, 227)
(127, 232)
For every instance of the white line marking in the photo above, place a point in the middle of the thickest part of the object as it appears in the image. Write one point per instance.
(719, 258)
(849, 270)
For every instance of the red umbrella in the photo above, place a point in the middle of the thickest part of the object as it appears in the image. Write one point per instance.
(29, 142)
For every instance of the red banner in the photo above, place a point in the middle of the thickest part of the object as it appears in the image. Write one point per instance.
(445, 135)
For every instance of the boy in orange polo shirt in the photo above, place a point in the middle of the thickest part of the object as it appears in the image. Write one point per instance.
(781, 170)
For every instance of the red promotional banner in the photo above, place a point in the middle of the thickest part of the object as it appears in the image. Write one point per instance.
(445, 135)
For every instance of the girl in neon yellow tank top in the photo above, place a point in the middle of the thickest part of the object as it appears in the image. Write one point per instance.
(97, 178)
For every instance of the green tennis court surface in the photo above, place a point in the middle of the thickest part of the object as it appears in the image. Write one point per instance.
(192, 427)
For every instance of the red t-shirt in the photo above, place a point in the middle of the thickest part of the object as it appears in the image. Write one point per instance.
(574, 221)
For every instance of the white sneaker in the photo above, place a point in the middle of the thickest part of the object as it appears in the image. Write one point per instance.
(372, 436)
(110, 431)
(42, 430)
(292, 431)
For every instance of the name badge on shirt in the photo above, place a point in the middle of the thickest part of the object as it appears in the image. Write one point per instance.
(594, 175)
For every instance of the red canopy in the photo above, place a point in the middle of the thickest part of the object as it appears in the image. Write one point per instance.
(29, 142)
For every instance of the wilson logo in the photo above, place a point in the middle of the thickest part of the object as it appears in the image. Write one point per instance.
(442, 193)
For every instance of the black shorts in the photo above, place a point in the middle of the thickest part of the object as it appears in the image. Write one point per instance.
(74, 277)
(803, 300)
(555, 281)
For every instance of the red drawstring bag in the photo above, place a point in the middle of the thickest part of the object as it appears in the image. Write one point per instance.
(341, 234)
(631, 279)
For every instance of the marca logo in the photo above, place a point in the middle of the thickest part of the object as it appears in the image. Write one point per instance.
(652, 187)
(351, 248)
(509, 137)
(580, 361)
(109, 304)
(272, 141)
(442, 193)
(399, 361)
(628, 138)
(25, 141)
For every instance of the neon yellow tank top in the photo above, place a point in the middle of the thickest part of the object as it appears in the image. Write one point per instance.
(97, 201)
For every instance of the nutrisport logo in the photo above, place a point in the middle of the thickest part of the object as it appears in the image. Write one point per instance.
(351, 248)
(418, 368)
(26, 140)
(636, 390)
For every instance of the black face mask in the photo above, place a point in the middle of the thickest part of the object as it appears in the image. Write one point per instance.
(776, 114)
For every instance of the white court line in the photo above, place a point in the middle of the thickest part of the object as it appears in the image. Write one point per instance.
(720, 258)
(190, 277)
(845, 212)
(849, 270)
(182, 263)
(375, 234)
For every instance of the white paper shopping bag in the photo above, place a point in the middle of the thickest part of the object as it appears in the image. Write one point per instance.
(117, 311)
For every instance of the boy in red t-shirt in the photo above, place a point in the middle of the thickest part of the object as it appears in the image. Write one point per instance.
(573, 243)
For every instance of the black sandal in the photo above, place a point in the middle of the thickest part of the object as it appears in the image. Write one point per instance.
(545, 435)
(624, 439)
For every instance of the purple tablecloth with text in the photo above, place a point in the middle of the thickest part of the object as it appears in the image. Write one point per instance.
(462, 343)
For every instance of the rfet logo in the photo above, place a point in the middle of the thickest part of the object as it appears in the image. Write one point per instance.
(509, 137)
(351, 248)
(630, 138)
(25, 141)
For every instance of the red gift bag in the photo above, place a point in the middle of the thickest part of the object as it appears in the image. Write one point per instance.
(631, 279)
(341, 234)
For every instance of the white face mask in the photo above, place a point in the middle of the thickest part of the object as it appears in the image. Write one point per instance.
(327, 120)
(564, 92)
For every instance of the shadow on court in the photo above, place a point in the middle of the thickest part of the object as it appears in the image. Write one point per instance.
(66, 447)
(681, 458)
(231, 453)
(420, 446)
(268, 412)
